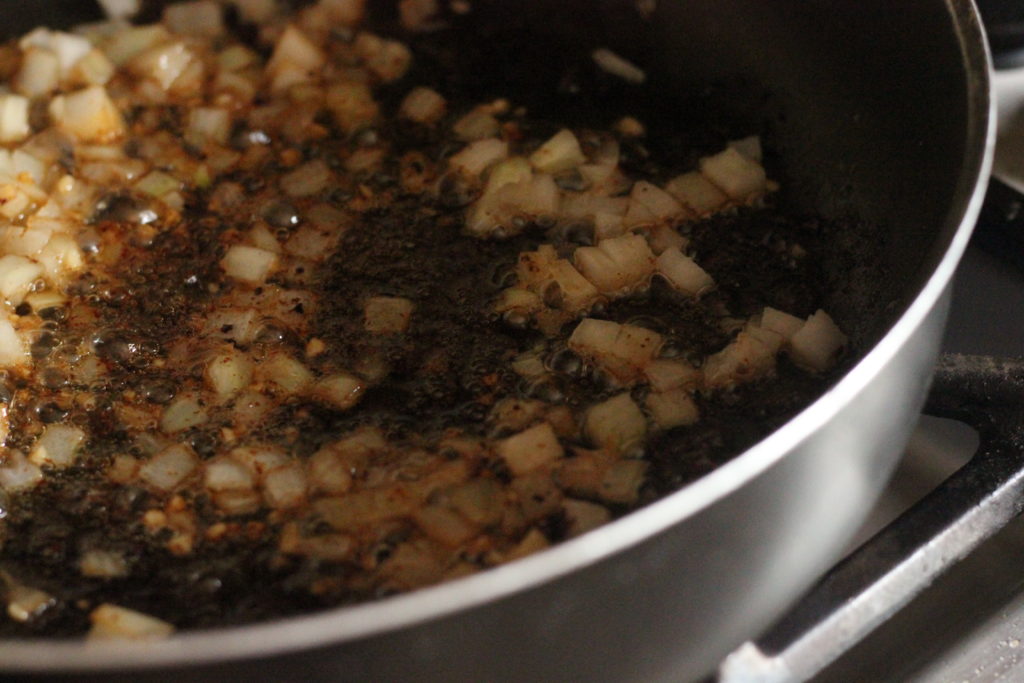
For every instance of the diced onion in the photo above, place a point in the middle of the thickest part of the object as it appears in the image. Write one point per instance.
(697, 193)
(13, 118)
(249, 264)
(617, 265)
(18, 474)
(583, 516)
(285, 487)
(104, 564)
(329, 472)
(199, 18)
(683, 273)
(88, 115)
(39, 73)
(624, 351)
(169, 467)
(616, 425)
(184, 412)
(228, 474)
(622, 481)
(296, 59)
(737, 176)
(561, 153)
(530, 449)
(664, 374)
(423, 105)
(745, 359)
(478, 156)
(387, 315)
(443, 525)
(650, 204)
(618, 66)
(781, 323)
(307, 180)
(17, 274)
(229, 372)
(340, 390)
(57, 446)
(286, 372)
(818, 344)
(113, 622)
(672, 408)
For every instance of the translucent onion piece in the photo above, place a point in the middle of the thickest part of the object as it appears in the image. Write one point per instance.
(530, 449)
(113, 622)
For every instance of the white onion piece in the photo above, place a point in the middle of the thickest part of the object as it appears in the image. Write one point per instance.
(664, 374)
(476, 125)
(164, 64)
(533, 199)
(672, 408)
(388, 59)
(57, 446)
(248, 410)
(68, 47)
(328, 472)
(228, 474)
(423, 105)
(296, 59)
(750, 147)
(583, 516)
(199, 18)
(184, 412)
(697, 193)
(93, 69)
(306, 180)
(238, 502)
(737, 176)
(352, 105)
(683, 273)
(617, 265)
(286, 372)
(13, 201)
(480, 155)
(130, 41)
(542, 270)
(259, 459)
(285, 487)
(534, 541)
(17, 274)
(513, 299)
(648, 203)
(88, 115)
(387, 314)
(622, 481)
(14, 118)
(509, 172)
(534, 448)
(256, 11)
(312, 243)
(561, 153)
(103, 564)
(616, 425)
(59, 257)
(818, 344)
(24, 602)
(249, 264)
(209, 124)
(340, 390)
(444, 526)
(590, 206)
(781, 323)
(229, 372)
(113, 622)
(169, 467)
(39, 73)
(618, 66)
(623, 351)
(18, 474)
(744, 359)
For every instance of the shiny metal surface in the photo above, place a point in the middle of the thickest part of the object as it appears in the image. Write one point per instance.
(665, 592)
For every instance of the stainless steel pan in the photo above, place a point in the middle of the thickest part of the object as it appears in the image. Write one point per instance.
(884, 113)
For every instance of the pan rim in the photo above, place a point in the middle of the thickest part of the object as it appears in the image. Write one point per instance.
(345, 624)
